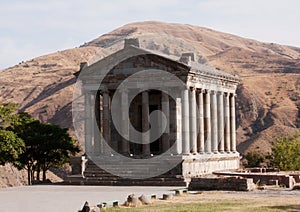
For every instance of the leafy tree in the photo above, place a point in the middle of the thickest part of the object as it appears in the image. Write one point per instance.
(10, 144)
(11, 147)
(47, 146)
(7, 114)
(254, 159)
(286, 153)
(29, 144)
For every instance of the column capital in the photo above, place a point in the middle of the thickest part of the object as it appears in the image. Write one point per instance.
(207, 91)
(213, 92)
(201, 90)
(227, 94)
(220, 92)
(192, 88)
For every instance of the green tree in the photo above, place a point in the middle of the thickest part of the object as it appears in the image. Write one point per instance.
(10, 144)
(47, 146)
(11, 147)
(7, 114)
(286, 153)
(30, 144)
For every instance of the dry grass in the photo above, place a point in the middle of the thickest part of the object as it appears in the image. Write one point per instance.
(225, 201)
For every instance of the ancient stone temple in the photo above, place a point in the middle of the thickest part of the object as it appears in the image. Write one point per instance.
(152, 117)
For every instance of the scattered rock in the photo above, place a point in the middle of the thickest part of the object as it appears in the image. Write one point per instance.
(95, 209)
(86, 207)
(145, 200)
(296, 187)
(132, 201)
(167, 196)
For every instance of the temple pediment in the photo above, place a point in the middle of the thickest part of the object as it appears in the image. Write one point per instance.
(135, 55)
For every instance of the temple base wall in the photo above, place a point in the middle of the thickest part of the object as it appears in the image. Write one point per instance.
(202, 164)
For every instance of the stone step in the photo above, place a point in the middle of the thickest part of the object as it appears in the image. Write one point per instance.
(133, 183)
(94, 175)
(108, 177)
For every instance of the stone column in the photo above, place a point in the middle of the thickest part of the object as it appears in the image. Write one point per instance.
(185, 122)
(124, 122)
(106, 118)
(200, 123)
(93, 121)
(193, 120)
(88, 123)
(221, 121)
(97, 124)
(207, 123)
(232, 124)
(178, 147)
(165, 106)
(214, 124)
(145, 124)
(227, 123)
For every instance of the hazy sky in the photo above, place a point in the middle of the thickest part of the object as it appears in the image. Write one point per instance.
(35, 27)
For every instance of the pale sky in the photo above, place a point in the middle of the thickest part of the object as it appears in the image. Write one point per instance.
(31, 28)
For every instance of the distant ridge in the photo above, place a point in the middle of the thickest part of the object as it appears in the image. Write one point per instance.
(268, 97)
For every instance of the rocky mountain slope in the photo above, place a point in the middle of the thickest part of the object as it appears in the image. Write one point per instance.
(268, 96)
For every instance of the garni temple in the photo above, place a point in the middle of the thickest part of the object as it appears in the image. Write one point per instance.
(156, 119)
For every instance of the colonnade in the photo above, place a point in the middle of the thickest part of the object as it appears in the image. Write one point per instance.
(206, 120)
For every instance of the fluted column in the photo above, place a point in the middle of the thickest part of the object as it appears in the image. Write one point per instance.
(193, 120)
(227, 123)
(145, 124)
(200, 123)
(232, 124)
(207, 123)
(165, 106)
(106, 117)
(214, 124)
(185, 122)
(124, 122)
(88, 123)
(221, 121)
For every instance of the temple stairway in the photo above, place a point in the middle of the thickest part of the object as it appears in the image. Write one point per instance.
(94, 175)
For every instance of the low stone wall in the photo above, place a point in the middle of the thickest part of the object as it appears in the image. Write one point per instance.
(202, 164)
(264, 178)
(226, 183)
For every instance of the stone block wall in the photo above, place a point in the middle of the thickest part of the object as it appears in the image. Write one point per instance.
(199, 165)
(226, 183)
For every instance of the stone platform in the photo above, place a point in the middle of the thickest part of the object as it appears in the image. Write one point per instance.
(142, 172)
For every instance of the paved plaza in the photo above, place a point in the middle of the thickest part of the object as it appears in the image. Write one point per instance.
(67, 198)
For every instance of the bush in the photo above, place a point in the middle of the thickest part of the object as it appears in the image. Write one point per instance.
(254, 159)
(286, 153)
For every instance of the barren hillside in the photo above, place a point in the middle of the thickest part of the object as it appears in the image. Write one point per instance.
(268, 97)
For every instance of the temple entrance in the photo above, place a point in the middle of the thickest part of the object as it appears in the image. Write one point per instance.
(136, 120)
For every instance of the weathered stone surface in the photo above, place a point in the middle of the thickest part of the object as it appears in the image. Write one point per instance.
(296, 187)
(227, 183)
(167, 196)
(132, 201)
(95, 209)
(145, 199)
(285, 179)
(86, 207)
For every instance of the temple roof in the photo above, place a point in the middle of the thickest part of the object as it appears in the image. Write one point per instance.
(132, 49)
